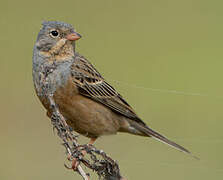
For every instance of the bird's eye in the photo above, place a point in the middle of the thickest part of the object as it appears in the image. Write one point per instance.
(54, 33)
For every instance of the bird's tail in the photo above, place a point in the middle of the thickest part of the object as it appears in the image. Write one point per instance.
(151, 133)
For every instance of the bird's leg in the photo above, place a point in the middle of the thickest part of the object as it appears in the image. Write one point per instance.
(75, 162)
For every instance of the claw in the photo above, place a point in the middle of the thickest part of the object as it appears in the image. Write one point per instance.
(69, 157)
(66, 166)
(75, 163)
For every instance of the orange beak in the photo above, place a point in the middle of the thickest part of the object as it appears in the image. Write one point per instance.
(73, 36)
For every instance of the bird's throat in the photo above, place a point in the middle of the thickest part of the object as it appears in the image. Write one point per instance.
(63, 50)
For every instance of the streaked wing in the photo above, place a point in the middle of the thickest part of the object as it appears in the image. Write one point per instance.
(92, 85)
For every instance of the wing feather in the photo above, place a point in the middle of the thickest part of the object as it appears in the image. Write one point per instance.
(92, 85)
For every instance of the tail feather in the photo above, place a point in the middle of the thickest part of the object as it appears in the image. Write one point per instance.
(163, 139)
(151, 133)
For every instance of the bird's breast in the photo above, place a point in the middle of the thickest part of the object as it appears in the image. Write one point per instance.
(48, 77)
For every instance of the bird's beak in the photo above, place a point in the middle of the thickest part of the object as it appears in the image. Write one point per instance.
(73, 36)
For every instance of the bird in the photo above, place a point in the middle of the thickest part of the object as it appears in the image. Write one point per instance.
(90, 105)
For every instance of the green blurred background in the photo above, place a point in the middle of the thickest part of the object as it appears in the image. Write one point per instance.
(137, 45)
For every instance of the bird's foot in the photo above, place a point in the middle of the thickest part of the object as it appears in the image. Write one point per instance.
(74, 161)
(75, 164)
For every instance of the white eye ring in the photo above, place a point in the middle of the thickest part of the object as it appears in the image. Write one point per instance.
(54, 33)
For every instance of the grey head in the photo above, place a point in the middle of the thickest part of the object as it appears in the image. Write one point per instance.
(54, 32)
(55, 42)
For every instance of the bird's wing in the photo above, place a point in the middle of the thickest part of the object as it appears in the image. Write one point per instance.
(92, 85)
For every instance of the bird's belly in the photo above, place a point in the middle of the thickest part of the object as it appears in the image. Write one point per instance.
(86, 116)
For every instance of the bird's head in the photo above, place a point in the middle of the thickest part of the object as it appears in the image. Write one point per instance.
(56, 38)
